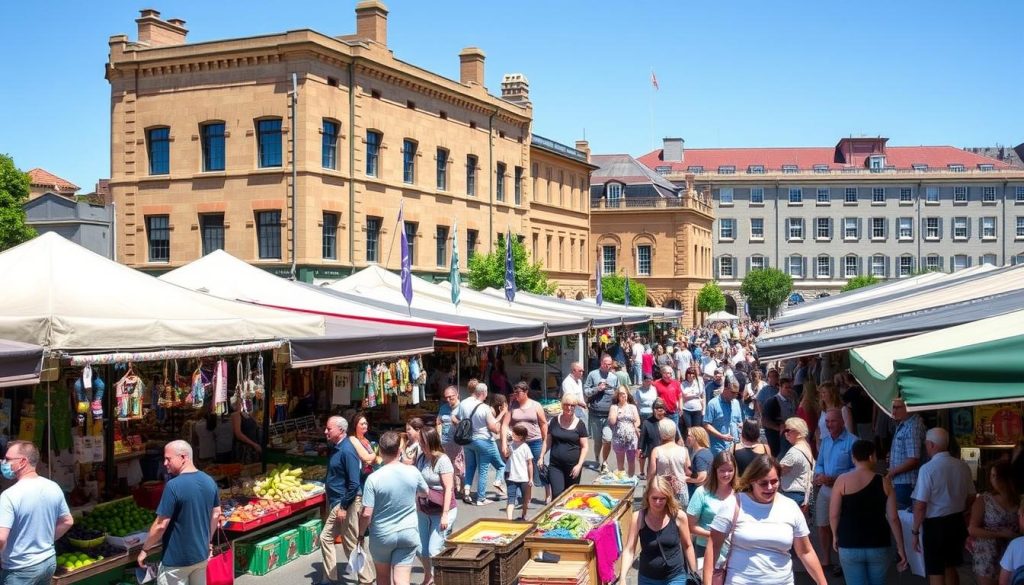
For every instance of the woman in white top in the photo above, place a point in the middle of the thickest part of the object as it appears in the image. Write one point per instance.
(671, 460)
(763, 530)
(754, 386)
(798, 462)
(693, 399)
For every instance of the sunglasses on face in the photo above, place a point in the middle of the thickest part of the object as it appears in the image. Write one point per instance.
(766, 483)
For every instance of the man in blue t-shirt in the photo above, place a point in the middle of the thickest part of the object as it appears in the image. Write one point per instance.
(722, 419)
(186, 518)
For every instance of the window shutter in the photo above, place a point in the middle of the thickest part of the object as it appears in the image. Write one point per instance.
(860, 265)
(886, 269)
(785, 236)
(968, 230)
(718, 262)
(748, 266)
(803, 264)
(831, 267)
(860, 222)
(885, 229)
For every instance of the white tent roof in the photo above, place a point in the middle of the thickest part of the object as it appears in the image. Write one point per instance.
(882, 288)
(720, 316)
(61, 296)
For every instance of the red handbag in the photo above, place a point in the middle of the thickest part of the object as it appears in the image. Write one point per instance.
(220, 569)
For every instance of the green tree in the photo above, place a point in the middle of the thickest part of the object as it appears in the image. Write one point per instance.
(488, 270)
(859, 282)
(613, 289)
(710, 299)
(14, 187)
(766, 289)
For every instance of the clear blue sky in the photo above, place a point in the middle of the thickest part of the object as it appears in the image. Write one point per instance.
(742, 73)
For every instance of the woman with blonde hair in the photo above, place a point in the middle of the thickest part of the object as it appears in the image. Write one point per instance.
(830, 398)
(671, 461)
(661, 530)
(701, 457)
(797, 464)
(567, 442)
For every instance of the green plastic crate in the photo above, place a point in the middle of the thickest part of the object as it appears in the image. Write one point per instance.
(288, 546)
(258, 558)
(309, 536)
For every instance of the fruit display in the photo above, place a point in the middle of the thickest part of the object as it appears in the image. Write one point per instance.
(119, 518)
(314, 472)
(284, 484)
(73, 561)
(576, 517)
(237, 511)
(83, 538)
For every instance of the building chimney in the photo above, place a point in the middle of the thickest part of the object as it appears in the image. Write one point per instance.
(471, 66)
(584, 147)
(515, 88)
(672, 150)
(159, 33)
(372, 21)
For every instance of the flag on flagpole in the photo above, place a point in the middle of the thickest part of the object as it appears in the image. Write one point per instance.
(453, 277)
(599, 298)
(627, 291)
(406, 260)
(654, 80)
(510, 269)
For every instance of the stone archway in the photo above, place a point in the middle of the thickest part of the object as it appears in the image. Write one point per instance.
(730, 305)
(673, 304)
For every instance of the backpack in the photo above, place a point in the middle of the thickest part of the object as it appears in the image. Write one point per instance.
(1017, 577)
(463, 433)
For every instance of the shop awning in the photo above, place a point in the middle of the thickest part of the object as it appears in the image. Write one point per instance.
(975, 363)
(20, 363)
(977, 286)
(349, 324)
(61, 296)
(596, 316)
(889, 327)
(653, 313)
(482, 332)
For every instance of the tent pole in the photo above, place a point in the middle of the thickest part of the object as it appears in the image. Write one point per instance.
(49, 432)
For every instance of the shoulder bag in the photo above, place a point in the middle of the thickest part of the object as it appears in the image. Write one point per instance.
(718, 575)
(463, 433)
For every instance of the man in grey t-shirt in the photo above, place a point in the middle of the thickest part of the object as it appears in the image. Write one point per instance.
(599, 390)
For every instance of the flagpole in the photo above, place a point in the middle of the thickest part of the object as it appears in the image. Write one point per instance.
(654, 88)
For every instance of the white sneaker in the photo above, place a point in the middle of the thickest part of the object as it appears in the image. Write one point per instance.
(603, 468)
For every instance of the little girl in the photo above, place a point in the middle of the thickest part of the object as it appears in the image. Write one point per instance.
(520, 472)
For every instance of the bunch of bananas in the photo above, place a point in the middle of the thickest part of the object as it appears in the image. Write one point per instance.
(283, 484)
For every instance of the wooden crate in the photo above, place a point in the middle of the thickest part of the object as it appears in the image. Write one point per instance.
(508, 558)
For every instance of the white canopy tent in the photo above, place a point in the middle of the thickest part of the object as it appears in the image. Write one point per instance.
(720, 316)
(63, 297)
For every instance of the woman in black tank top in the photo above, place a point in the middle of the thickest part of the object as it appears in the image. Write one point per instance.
(662, 531)
(749, 447)
(862, 513)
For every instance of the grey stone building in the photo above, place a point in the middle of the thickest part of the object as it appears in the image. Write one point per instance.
(84, 223)
(827, 214)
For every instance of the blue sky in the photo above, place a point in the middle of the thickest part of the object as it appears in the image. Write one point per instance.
(743, 73)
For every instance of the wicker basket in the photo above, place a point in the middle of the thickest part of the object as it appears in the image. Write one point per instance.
(463, 565)
(506, 566)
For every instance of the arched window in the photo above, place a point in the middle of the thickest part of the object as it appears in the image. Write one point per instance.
(795, 266)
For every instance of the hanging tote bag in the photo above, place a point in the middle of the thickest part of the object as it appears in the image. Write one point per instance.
(220, 570)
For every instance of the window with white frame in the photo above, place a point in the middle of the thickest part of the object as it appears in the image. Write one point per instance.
(986, 167)
(932, 228)
(795, 231)
(959, 228)
(757, 195)
(877, 228)
(607, 257)
(851, 265)
(988, 259)
(820, 168)
(1017, 259)
(933, 262)
(790, 169)
(755, 169)
(850, 195)
(931, 195)
(643, 260)
(823, 228)
(905, 228)
(1020, 227)
(727, 170)
(906, 195)
(988, 194)
(851, 228)
(725, 196)
(758, 262)
(795, 266)
(757, 228)
(824, 195)
(956, 168)
(727, 229)
(823, 267)
(988, 228)
(906, 267)
(961, 261)
(960, 194)
(1018, 194)
(878, 194)
(796, 195)
(614, 194)
(726, 267)
(878, 265)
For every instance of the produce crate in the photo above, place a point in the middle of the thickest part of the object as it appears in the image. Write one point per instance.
(309, 536)
(463, 565)
(509, 558)
(258, 558)
(289, 546)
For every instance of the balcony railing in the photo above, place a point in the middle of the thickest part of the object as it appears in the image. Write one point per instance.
(652, 203)
(803, 173)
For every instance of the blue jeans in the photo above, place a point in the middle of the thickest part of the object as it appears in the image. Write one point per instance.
(40, 574)
(903, 492)
(480, 454)
(535, 446)
(677, 580)
(865, 566)
(431, 537)
(638, 373)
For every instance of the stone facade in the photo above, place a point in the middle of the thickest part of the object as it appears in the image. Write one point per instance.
(203, 139)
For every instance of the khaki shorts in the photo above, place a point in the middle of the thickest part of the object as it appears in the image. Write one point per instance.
(821, 506)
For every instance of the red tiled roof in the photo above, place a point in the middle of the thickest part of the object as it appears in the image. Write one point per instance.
(44, 178)
(901, 157)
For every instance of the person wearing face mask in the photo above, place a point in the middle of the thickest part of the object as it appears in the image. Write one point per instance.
(33, 515)
(186, 518)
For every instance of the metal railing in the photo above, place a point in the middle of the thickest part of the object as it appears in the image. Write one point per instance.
(651, 203)
(848, 171)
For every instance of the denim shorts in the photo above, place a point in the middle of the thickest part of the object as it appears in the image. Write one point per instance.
(516, 492)
(395, 549)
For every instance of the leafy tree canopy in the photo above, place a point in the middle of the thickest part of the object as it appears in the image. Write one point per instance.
(14, 189)
(488, 270)
(859, 282)
(767, 288)
(710, 299)
(613, 289)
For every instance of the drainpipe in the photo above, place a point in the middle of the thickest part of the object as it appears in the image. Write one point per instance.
(920, 235)
(778, 259)
(295, 177)
(351, 164)
(493, 177)
(113, 230)
(1006, 234)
